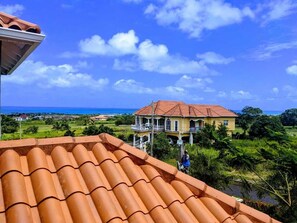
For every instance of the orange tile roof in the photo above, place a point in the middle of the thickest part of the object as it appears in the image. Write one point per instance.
(180, 109)
(12, 22)
(102, 179)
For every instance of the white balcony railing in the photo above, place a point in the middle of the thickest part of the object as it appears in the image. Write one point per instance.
(147, 127)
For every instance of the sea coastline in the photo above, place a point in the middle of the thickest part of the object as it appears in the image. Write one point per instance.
(12, 110)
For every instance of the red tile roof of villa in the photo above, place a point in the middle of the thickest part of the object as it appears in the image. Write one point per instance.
(102, 179)
(180, 109)
(12, 22)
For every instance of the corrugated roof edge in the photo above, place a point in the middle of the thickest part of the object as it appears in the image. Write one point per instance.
(167, 171)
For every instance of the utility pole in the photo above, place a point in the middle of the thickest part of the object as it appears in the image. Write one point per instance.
(152, 132)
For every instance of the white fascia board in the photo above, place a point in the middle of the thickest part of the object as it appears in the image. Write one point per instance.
(14, 34)
(33, 39)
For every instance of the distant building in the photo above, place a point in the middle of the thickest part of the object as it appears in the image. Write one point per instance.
(179, 120)
(22, 118)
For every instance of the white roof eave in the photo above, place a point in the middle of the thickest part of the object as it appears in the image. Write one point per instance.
(33, 39)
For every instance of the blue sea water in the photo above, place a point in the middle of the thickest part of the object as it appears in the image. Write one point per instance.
(68, 111)
(84, 111)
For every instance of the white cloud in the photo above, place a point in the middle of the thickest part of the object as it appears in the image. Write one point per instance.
(292, 70)
(146, 55)
(149, 51)
(15, 9)
(175, 92)
(150, 9)
(275, 90)
(222, 94)
(128, 65)
(277, 9)
(291, 91)
(132, 86)
(241, 94)
(64, 76)
(189, 82)
(119, 44)
(155, 58)
(195, 16)
(236, 95)
(214, 58)
(268, 51)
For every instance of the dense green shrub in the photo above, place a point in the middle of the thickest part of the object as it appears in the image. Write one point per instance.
(9, 125)
(32, 129)
(269, 127)
(94, 130)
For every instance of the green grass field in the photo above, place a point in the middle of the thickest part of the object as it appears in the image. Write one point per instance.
(47, 131)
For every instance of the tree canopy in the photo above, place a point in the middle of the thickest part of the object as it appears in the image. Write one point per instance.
(289, 117)
(247, 116)
(268, 127)
(94, 130)
(9, 125)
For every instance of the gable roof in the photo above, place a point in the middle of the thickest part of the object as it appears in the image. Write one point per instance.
(102, 179)
(180, 109)
(18, 39)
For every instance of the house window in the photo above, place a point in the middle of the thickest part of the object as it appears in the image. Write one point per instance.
(226, 123)
(176, 126)
(168, 124)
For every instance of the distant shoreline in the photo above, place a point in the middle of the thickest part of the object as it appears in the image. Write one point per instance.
(11, 110)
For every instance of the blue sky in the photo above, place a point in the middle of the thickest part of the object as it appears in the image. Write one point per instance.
(127, 53)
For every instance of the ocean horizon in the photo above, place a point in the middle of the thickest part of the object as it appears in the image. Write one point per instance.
(9, 110)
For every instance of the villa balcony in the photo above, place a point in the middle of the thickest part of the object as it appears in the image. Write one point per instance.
(147, 127)
(194, 129)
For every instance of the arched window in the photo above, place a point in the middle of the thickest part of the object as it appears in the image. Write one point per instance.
(168, 124)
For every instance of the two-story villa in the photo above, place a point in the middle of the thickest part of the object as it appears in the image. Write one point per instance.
(178, 120)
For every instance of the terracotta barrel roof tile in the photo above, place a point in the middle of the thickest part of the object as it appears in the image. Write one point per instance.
(43, 185)
(10, 161)
(80, 209)
(81, 180)
(51, 211)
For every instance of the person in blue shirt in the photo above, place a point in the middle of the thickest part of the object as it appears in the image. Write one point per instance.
(185, 161)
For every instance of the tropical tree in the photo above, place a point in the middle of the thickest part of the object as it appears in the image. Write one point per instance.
(279, 180)
(161, 146)
(268, 127)
(208, 167)
(49, 121)
(94, 130)
(31, 129)
(9, 125)
(247, 116)
(289, 117)
(206, 136)
(125, 119)
(61, 125)
(84, 120)
(69, 133)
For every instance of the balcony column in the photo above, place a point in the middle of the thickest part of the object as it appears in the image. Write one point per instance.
(140, 143)
(149, 137)
(134, 140)
(191, 138)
